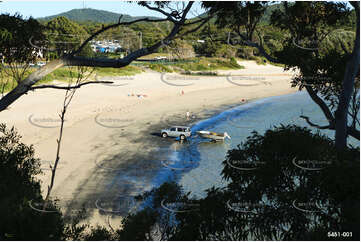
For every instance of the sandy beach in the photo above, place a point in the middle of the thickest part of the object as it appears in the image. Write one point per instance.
(110, 134)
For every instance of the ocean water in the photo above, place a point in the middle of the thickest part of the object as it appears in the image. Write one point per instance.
(196, 165)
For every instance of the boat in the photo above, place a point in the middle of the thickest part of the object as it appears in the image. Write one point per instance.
(213, 135)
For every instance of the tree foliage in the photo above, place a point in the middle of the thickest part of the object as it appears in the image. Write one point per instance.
(21, 191)
(315, 45)
(15, 33)
(65, 35)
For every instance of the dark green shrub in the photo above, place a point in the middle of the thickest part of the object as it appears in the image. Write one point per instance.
(19, 188)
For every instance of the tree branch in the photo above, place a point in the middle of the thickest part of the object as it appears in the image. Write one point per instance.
(169, 16)
(315, 125)
(256, 45)
(321, 104)
(194, 29)
(185, 12)
(262, 51)
(353, 132)
(25, 84)
(70, 87)
(69, 94)
(199, 20)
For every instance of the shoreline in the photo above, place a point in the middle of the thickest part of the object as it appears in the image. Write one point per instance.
(100, 160)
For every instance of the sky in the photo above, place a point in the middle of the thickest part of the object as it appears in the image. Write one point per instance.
(38, 9)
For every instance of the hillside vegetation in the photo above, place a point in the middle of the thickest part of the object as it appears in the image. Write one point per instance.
(93, 15)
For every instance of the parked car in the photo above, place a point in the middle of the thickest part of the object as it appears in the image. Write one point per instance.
(176, 131)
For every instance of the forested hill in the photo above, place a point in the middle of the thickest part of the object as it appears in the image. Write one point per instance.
(93, 15)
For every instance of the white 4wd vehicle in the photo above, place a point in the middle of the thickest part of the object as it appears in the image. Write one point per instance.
(41, 63)
(176, 131)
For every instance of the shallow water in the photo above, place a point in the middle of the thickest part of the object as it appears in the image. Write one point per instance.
(197, 165)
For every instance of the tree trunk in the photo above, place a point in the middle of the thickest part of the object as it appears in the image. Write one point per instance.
(352, 69)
